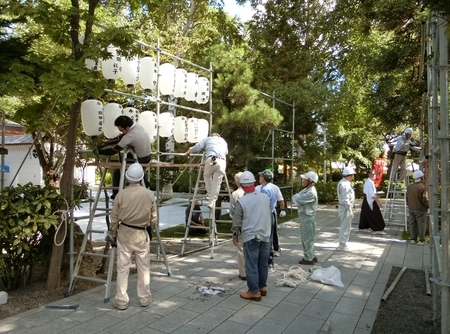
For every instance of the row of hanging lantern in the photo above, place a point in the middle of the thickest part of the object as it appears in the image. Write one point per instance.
(172, 81)
(97, 118)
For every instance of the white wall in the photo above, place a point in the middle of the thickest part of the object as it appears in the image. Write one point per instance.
(86, 174)
(31, 171)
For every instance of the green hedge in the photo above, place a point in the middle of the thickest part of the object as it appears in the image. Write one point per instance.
(27, 214)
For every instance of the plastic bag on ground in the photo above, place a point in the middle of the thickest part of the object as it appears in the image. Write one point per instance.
(331, 276)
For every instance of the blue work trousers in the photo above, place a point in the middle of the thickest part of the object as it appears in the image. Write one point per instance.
(256, 254)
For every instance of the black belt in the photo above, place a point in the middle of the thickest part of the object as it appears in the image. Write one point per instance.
(400, 152)
(135, 227)
(213, 156)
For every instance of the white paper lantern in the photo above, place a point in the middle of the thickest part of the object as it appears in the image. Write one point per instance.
(148, 76)
(110, 112)
(130, 71)
(93, 65)
(193, 130)
(90, 64)
(192, 85)
(112, 67)
(165, 123)
(149, 122)
(202, 91)
(131, 112)
(180, 82)
(180, 129)
(92, 117)
(166, 80)
(203, 128)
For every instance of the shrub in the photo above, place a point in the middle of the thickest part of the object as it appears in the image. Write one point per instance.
(80, 190)
(326, 192)
(26, 215)
(358, 186)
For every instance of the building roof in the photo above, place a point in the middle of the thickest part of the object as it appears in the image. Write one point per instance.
(12, 129)
(25, 139)
(14, 134)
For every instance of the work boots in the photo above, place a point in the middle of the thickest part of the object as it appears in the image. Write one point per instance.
(252, 296)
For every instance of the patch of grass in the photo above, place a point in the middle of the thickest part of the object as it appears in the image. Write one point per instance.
(406, 236)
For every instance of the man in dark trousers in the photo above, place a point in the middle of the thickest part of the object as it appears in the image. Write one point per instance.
(252, 223)
(196, 219)
(132, 134)
(270, 189)
(417, 202)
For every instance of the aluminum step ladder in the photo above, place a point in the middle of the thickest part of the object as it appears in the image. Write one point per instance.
(212, 227)
(395, 210)
(89, 231)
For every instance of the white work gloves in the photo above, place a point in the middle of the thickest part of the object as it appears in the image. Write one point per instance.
(282, 213)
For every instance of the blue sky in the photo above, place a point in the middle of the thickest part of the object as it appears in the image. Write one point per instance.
(244, 12)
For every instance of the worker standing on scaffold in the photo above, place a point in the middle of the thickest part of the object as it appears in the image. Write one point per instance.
(132, 134)
(402, 146)
(216, 150)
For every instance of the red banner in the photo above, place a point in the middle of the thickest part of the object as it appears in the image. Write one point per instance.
(378, 167)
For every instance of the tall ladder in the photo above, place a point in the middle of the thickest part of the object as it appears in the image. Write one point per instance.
(212, 228)
(89, 230)
(395, 210)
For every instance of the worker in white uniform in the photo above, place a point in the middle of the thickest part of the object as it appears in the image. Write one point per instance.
(216, 150)
(346, 197)
(238, 193)
(401, 148)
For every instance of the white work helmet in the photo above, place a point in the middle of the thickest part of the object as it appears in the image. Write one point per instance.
(409, 130)
(312, 176)
(237, 177)
(135, 173)
(348, 171)
(247, 178)
(417, 174)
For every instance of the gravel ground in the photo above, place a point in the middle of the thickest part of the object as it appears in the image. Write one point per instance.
(408, 309)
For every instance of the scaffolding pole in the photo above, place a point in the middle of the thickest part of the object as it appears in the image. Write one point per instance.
(439, 146)
(444, 144)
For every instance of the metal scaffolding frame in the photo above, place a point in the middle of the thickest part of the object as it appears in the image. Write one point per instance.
(291, 135)
(172, 106)
(438, 164)
(157, 99)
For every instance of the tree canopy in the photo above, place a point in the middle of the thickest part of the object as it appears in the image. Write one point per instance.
(352, 67)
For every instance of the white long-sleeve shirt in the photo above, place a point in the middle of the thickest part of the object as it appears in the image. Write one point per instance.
(346, 194)
(403, 144)
(370, 191)
(213, 146)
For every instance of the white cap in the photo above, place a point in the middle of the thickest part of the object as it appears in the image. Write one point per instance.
(348, 171)
(312, 176)
(247, 178)
(135, 173)
(417, 175)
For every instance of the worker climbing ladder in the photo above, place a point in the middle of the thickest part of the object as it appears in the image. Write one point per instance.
(105, 212)
(395, 209)
(212, 228)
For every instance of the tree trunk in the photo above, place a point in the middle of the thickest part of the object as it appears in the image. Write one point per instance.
(54, 272)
